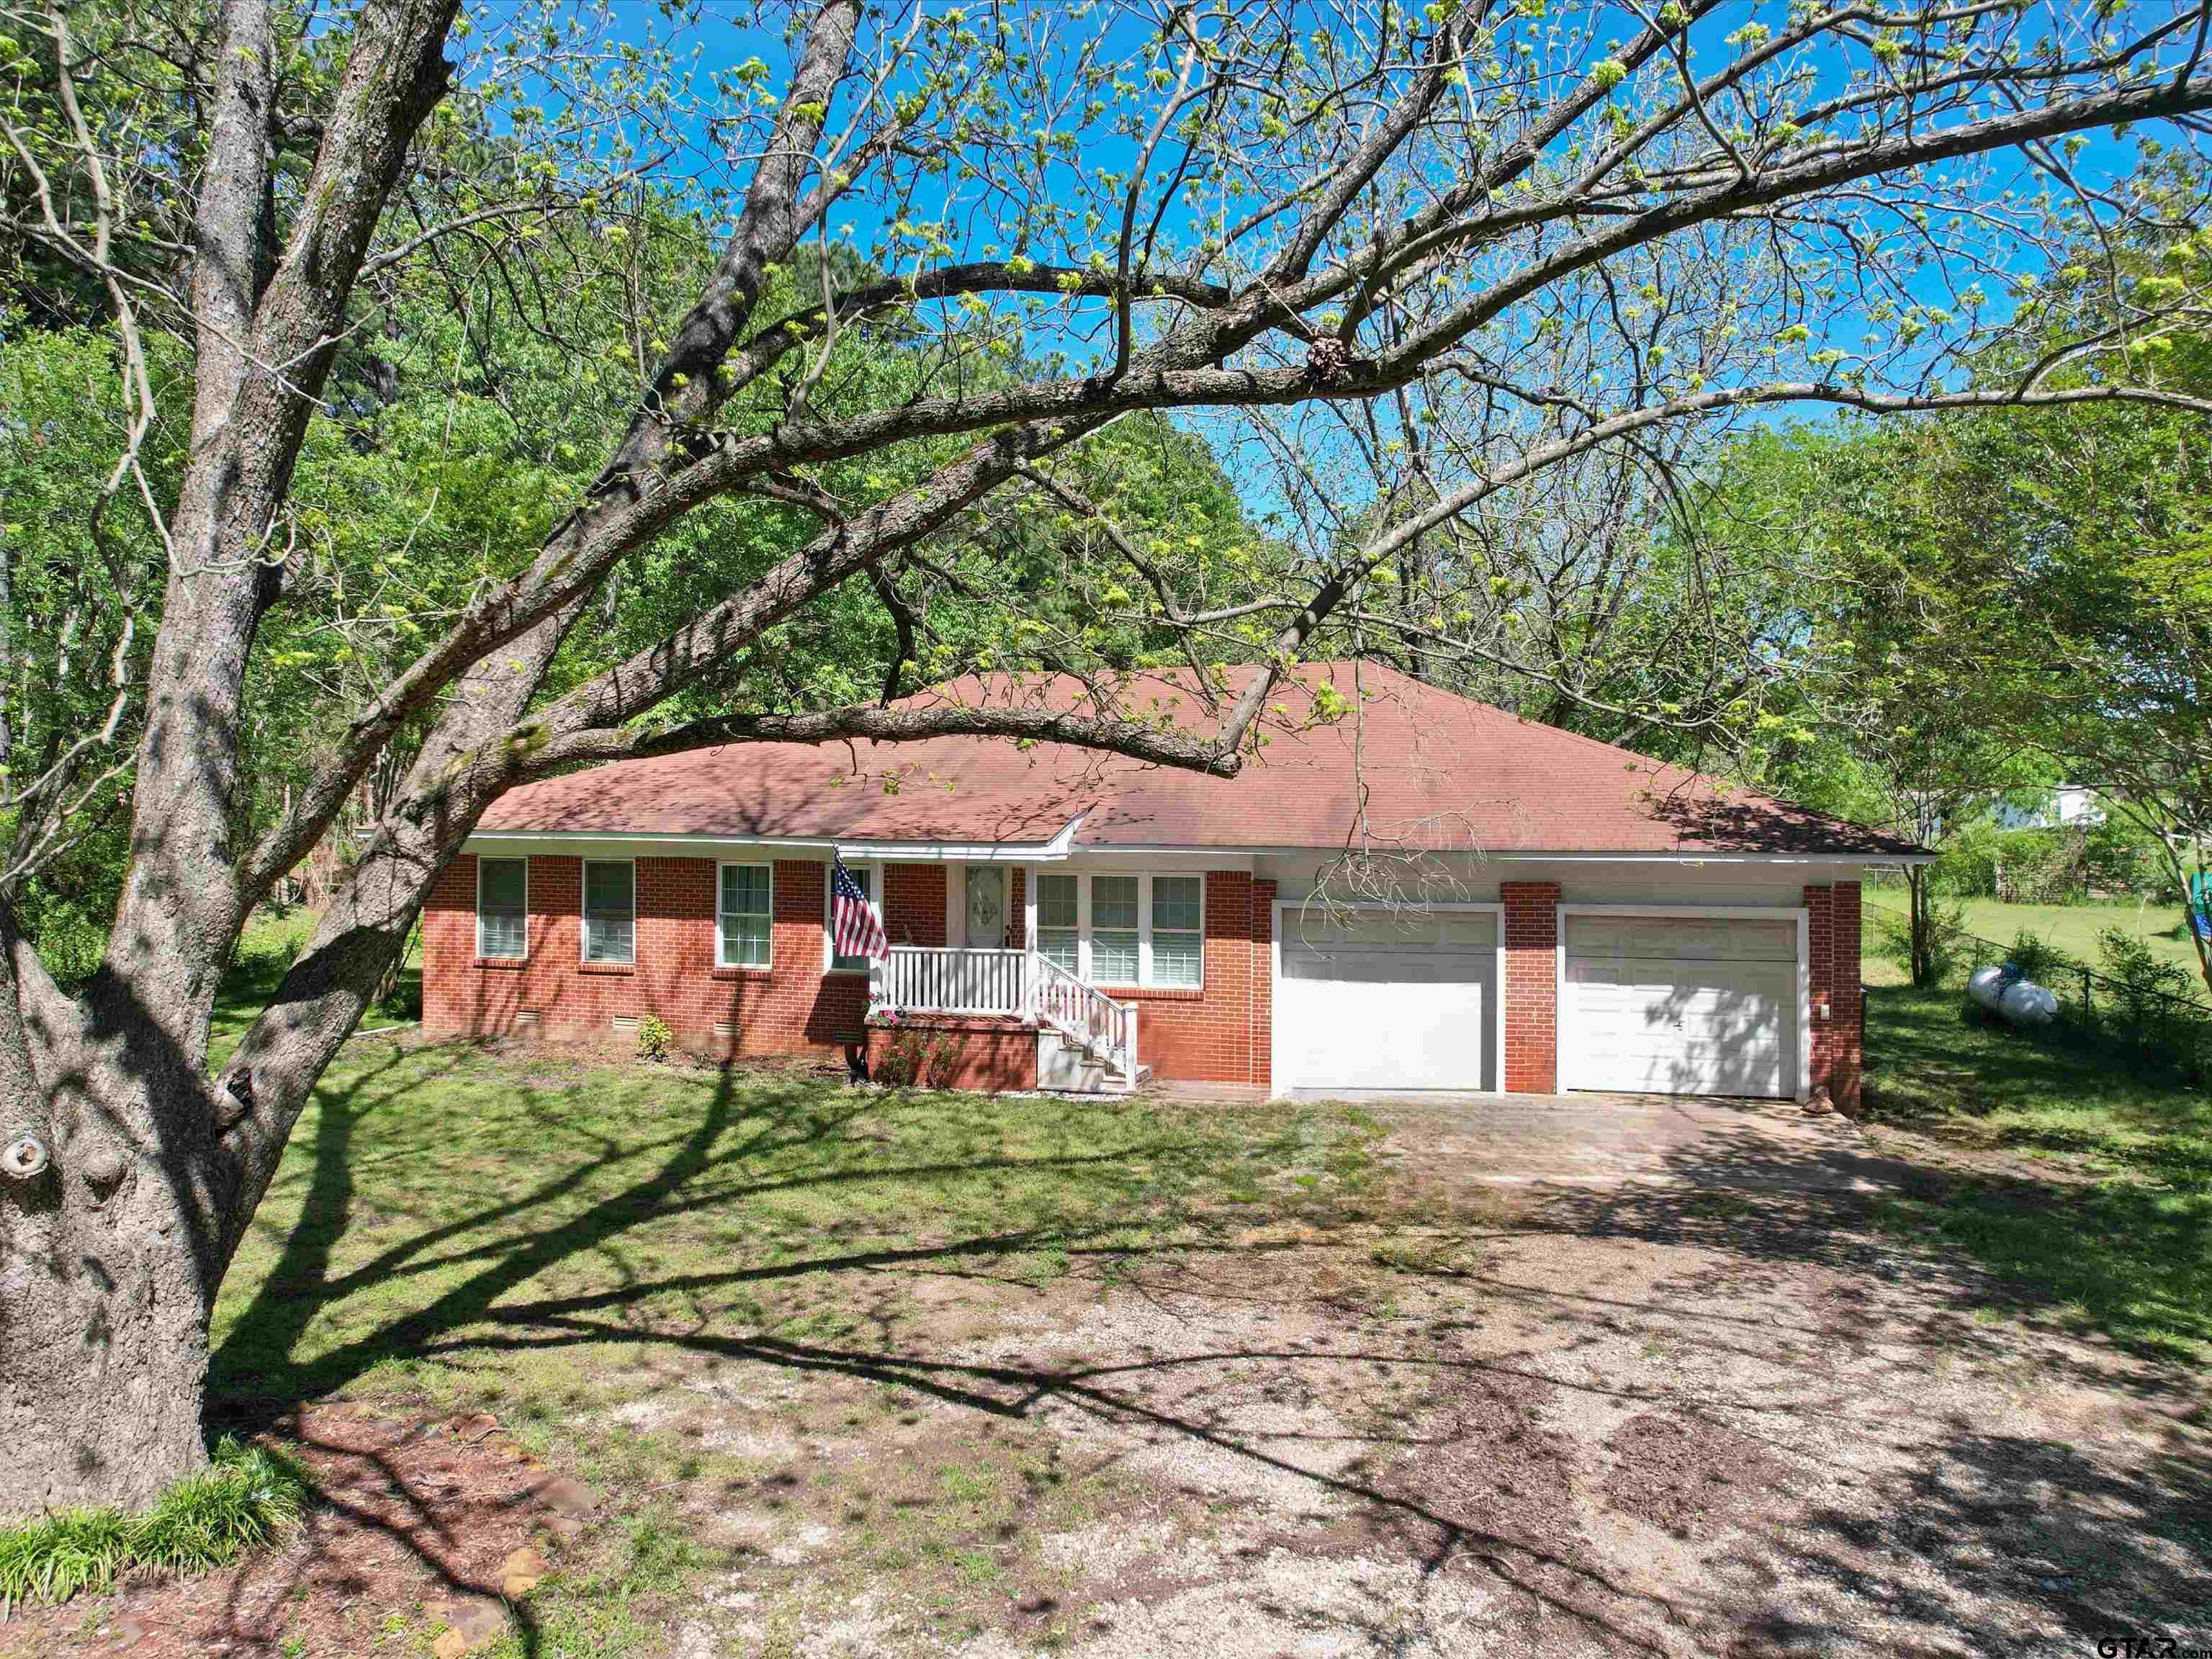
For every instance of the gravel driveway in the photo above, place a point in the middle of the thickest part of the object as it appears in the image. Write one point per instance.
(1607, 1376)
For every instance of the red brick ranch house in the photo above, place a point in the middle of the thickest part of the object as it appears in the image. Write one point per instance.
(1562, 915)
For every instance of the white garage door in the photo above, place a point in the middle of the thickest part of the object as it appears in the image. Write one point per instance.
(1681, 1005)
(1379, 999)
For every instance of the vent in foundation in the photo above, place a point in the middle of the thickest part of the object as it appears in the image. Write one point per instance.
(625, 1024)
(525, 1023)
(725, 1030)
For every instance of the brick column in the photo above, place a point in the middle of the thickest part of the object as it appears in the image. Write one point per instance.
(1832, 949)
(1532, 986)
(1263, 984)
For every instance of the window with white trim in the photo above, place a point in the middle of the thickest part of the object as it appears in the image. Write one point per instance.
(1146, 930)
(744, 905)
(503, 909)
(864, 877)
(1178, 934)
(1060, 920)
(610, 911)
(1116, 929)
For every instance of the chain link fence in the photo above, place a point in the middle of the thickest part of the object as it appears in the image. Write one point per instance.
(2136, 1017)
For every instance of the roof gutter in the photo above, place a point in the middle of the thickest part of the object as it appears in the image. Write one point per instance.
(678, 842)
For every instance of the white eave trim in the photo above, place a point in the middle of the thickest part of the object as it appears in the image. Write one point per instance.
(675, 844)
(1520, 855)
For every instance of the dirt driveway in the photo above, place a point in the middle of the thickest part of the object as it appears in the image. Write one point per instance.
(1577, 1377)
(1611, 1377)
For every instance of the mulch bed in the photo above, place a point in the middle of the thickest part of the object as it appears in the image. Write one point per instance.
(415, 1520)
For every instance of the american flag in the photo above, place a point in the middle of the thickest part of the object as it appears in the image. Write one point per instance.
(853, 920)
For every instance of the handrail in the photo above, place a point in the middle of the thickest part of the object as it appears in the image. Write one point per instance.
(938, 979)
(1084, 1014)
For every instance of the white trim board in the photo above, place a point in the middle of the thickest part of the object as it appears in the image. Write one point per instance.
(1062, 844)
(1801, 915)
(1277, 1088)
(608, 845)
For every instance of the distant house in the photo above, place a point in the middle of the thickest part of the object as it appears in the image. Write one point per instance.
(2062, 806)
(1584, 918)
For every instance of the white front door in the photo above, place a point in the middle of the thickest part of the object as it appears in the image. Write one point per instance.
(1386, 1000)
(985, 909)
(1679, 1005)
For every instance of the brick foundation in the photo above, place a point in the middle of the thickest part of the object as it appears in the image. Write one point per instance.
(1532, 986)
(958, 1052)
(1832, 946)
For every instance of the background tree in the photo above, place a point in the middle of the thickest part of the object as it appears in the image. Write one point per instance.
(1514, 237)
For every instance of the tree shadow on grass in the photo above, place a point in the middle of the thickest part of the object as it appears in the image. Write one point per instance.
(1740, 1193)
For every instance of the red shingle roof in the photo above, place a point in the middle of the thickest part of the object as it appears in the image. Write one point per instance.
(1437, 771)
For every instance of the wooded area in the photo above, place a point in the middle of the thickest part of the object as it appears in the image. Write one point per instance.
(403, 402)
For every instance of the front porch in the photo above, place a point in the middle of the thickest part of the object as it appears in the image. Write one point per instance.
(973, 1017)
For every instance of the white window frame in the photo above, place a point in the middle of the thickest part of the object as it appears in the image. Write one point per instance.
(721, 865)
(584, 915)
(523, 861)
(874, 870)
(1145, 980)
(1033, 922)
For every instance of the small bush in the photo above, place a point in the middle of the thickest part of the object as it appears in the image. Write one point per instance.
(1947, 935)
(2147, 982)
(246, 1498)
(918, 1060)
(654, 1039)
(2039, 961)
(64, 1554)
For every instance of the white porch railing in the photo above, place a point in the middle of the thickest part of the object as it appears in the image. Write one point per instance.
(956, 982)
(1020, 984)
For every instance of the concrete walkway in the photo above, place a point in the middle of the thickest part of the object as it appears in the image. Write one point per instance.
(1603, 1141)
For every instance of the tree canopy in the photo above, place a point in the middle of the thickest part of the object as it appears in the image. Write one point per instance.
(422, 399)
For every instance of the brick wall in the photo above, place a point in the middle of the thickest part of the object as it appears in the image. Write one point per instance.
(1832, 946)
(1221, 1032)
(788, 1007)
(958, 1053)
(1217, 1033)
(914, 903)
(1532, 986)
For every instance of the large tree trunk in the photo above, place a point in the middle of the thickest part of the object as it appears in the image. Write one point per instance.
(103, 1358)
(108, 1254)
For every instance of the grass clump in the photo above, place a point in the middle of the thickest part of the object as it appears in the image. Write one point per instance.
(246, 1498)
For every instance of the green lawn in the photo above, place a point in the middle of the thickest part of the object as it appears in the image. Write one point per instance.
(546, 1236)
(2072, 928)
(550, 1239)
(2101, 1201)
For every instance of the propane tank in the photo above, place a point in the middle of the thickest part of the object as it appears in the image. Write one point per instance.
(2015, 1000)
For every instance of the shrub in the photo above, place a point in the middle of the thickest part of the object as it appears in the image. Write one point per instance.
(246, 1498)
(1947, 932)
(2122, 859)
(2145, 982)
(2043, 866)
(2036, 960)
(654, 1039)
(914, 1059)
